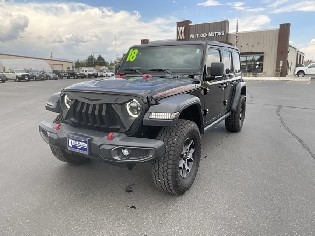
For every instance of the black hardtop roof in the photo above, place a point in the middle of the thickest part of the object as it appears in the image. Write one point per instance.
(173, 43)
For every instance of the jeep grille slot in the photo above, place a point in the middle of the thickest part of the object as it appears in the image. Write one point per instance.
(96, 116)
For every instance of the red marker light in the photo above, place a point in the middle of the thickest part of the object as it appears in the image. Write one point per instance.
(58, 126)
(119, 75)
(110, 136)
(146, 76)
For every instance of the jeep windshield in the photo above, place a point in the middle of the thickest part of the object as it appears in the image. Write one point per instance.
(163, 59)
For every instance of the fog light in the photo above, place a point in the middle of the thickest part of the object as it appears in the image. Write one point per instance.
(125, 152)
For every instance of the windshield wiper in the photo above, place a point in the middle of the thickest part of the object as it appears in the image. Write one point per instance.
(135, 69)
(168, 71)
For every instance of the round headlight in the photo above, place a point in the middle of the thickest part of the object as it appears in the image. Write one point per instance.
(67, 101)
(134, 108)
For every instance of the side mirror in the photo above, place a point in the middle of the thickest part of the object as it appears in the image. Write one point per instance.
(216, 70)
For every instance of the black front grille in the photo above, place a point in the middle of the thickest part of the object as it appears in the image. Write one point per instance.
(96, 115)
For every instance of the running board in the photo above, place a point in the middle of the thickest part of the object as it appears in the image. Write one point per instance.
(217, 121)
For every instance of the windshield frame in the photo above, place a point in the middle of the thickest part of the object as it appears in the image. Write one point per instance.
(125, 65)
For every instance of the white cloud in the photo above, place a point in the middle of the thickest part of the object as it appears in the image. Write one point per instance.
(209, 3)
(278, 3)
(309, 50)
(250, 23)
(12, 26)
(304, 6)
(74, 30)
(240, 6)
(257, 9)
(237, 5)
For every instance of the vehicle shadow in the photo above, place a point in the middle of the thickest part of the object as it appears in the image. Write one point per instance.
(118, 184)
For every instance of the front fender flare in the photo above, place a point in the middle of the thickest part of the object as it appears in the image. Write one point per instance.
(53, 103)
(172, 104)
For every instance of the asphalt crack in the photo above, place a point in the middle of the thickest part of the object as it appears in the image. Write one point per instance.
(304, 145)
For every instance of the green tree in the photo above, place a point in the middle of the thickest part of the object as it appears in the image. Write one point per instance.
(101, 61)
(79, 64)
(90, 61)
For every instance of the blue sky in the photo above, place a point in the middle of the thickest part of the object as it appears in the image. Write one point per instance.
(75, 29)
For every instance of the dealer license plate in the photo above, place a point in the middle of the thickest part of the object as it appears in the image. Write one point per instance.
(78, 144)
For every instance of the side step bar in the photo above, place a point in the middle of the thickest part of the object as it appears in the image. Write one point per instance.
(208, 127)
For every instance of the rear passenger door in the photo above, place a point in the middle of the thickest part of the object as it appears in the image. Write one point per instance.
(231, 60)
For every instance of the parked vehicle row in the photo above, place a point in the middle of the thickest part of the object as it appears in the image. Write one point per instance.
(27, 75)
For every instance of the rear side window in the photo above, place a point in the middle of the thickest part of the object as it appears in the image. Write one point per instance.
(236, 62)
(213, 56)
(227, 61)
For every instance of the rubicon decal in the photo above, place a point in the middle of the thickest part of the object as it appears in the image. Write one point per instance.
(173, 91)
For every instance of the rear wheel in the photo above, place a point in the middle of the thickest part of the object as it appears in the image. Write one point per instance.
(234, 122)
(176, 171)
(64, 156)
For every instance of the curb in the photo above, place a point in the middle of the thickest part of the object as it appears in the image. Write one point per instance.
(305, 79)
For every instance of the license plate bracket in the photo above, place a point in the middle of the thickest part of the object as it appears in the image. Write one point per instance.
(78, 144)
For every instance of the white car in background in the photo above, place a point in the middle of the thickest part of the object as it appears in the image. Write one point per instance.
(17, 75)
(100, 73)
(108, 73)
(305, 70)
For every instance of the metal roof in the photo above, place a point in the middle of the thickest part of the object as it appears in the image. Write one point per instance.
(188, 42)
(28, 64)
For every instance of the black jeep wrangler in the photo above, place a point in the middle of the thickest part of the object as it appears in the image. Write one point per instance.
(163, 97)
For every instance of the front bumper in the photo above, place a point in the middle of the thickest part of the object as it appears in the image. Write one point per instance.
(100, 147)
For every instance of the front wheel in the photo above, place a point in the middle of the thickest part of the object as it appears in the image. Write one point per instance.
(176, 171)
(234, 122)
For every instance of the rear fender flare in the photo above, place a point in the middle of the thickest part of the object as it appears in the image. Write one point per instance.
(240, 89)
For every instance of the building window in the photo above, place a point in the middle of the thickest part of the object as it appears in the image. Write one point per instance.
(252, 63)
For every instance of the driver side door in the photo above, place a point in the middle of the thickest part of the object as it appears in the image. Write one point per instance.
(213, 90)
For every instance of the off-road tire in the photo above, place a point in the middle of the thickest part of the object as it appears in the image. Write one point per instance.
(65, 156)
(165, 170)
(234, 122)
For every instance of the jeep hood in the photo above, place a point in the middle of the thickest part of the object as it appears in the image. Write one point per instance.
(139, 86)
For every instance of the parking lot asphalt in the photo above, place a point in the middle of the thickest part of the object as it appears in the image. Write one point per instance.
(260, 181)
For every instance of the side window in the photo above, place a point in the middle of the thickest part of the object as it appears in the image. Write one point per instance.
(213, 56)
(236, 62)
(227, 61)
(311, 66)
